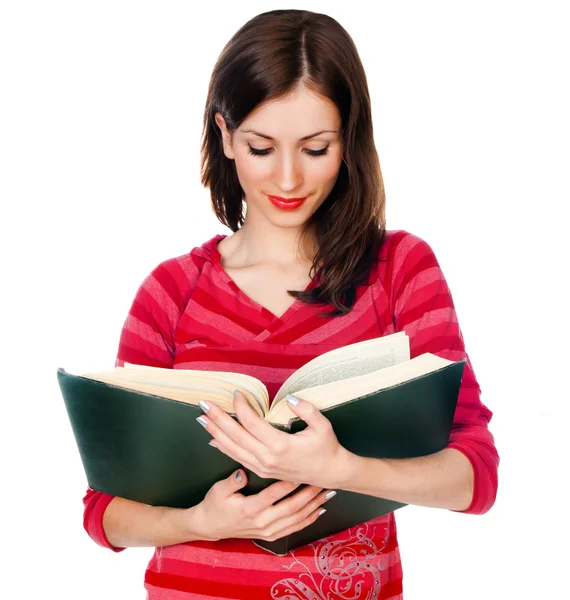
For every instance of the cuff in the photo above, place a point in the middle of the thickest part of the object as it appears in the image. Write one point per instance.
(485, 482)
(95, 505)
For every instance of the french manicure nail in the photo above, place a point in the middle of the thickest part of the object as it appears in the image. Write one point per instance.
(236, 392)
(292, 399)
(330, 495)
(322, 512)
(205, 407)
(213, 444)
(202, 421)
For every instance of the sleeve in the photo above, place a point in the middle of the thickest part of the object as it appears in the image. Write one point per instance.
(423, 307)
(147, 338)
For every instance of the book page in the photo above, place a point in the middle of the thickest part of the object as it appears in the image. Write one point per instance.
(191, 388)
(185, 378)
(349, 361)
(203, 390)
(333, 394)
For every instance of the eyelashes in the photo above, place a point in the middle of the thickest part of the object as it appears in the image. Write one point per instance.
(267, 151)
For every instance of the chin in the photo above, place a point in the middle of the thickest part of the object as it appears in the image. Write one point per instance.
(288, 221)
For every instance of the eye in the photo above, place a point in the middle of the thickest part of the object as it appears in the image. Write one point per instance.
(321, 152)
(266, 151)
(258, 152)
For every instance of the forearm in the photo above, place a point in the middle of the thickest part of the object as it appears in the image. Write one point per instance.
(129, 524)
(440, 480)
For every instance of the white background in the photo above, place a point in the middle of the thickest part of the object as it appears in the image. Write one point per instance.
(100, 123)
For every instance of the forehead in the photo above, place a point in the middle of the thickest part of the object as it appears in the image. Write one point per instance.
(292, 117)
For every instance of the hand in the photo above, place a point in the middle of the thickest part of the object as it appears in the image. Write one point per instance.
(225, 513)
(313, 456)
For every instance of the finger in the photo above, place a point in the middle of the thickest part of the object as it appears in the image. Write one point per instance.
(230, 485)
(259, 428)
(297, 521)
(308, 412)
(294, 503)
(272, 493)
(297, 526)
(230, 435)
(237, 454)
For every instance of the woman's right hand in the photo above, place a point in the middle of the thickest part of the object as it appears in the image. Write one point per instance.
(226, 513)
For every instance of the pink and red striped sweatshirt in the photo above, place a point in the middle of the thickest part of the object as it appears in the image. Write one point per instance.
(188, 313)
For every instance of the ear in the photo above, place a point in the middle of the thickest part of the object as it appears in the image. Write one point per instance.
(227, 138)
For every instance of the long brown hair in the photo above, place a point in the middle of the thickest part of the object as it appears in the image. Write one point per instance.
(268, 58)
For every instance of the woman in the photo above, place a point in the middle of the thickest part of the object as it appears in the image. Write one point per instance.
(310, 267)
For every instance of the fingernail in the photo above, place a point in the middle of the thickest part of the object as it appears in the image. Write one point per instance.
(292, 399)
(202, 421)
(213, 444)
(330, 495)
(239, 477)
(236, 392)
(322, 512)
(205, 407)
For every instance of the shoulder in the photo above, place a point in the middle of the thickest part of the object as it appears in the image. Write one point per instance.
(406, 265)
(403, 254)
(173, 279)
(399, 245)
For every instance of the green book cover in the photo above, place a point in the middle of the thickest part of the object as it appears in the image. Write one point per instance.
(151, 449)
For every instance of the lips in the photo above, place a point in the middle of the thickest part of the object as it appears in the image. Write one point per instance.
(286, 203)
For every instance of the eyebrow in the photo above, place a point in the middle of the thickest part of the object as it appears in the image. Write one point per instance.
(307, 137)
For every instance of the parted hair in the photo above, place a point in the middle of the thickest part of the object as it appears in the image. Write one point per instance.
(267, 59)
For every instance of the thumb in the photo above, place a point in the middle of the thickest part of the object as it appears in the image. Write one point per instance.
(307, 411)
(230, 485)
(236, 481)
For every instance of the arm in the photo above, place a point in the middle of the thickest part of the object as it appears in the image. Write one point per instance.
(127, 524)
(463, 476)
(441, 480)
(147, 338)
(224, 513)
(116, 523)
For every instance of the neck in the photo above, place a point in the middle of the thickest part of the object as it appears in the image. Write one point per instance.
(252, 245)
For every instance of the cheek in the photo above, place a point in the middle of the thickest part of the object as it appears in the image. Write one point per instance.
(326, 173)
(251, 169)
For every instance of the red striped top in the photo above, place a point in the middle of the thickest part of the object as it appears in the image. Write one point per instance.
(188, 313)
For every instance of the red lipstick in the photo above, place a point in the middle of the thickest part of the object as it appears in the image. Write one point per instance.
(286, 203)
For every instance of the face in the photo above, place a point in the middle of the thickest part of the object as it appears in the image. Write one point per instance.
(286, 148)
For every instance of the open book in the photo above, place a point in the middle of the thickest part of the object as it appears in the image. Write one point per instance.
(328, 380)
(138, 438)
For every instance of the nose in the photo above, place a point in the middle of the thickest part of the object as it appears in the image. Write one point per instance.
(288, 172)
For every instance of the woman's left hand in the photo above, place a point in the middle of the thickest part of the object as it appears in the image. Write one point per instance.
(311, 456)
